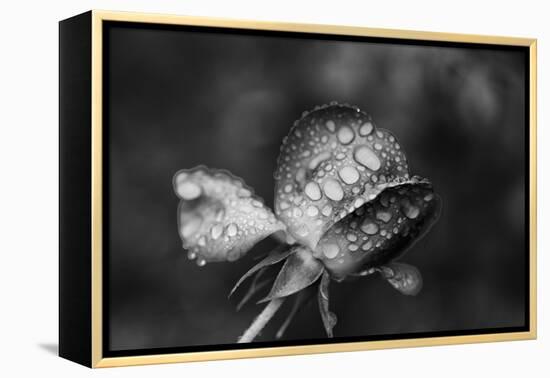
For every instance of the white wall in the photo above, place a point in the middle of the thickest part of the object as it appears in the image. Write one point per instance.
(28, 168)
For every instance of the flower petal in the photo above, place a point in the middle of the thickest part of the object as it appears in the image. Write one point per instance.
(300, 270)
(328, 317)
(381, 230)
(403, 277)
(333, 160)
(219, 218)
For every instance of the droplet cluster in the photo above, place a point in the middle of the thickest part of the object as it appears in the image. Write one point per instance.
(331, 158)
(219, 217)
(381, 229)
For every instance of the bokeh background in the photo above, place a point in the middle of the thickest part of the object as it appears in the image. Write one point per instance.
(179, 98)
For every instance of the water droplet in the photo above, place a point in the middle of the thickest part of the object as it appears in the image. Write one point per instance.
(189, 190)
(367, 246)
(411, 211)
(353, 247)
(428, 197)
(297, 212)
(383, 232)
(374, 178)
(331, 250)
(377, 146)
(201, 262)
(313, 191)
(326, 210)
(216, 231)
(351, 237)
(365, 129)
(333, 190)
(287, 188)
(345, 135)
(367, 157)
(191, 255)
(312, 211)
(359, 202)
(232, 229)
(331, 126)
(369, 228)
(284, 205)
(349, 175)
(202, 241)
(384, 216)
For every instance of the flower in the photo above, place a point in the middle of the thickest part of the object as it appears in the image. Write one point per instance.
(345, 205)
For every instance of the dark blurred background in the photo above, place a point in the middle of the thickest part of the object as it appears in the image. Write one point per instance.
(178, 99)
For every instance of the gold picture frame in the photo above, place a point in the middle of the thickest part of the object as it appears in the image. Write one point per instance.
(96, 358)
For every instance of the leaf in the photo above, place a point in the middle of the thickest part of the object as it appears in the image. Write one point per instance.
(333, 160)
(381, 230)
(278, 254)
(403, 277)
(328, 317)
(299, 271)
(254, 288)
(219, 217)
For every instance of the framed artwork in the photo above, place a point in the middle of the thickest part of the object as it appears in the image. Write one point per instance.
(234, 189)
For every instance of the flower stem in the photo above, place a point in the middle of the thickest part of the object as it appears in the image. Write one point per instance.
(261, 320)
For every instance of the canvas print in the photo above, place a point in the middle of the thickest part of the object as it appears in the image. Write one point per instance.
(270, 188)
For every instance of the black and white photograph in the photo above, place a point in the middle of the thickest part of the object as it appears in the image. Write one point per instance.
(271, 188)
(274, 189)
